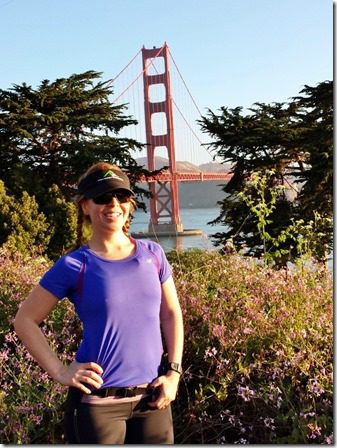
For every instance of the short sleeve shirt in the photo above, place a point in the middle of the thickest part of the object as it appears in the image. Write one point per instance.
(118, 303)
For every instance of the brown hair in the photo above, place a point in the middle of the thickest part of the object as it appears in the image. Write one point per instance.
(81, 218)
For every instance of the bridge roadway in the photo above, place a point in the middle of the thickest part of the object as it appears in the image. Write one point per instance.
(185, 177)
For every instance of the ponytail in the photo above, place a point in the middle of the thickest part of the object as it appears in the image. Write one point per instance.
(79, 227)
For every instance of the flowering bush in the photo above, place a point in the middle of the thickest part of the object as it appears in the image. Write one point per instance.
(30, 402)
(258, 353)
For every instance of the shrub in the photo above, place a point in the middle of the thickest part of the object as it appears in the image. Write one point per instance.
(22, 227)
(258, 354)
(47, 228)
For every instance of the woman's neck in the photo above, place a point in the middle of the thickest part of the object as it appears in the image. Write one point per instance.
(115, 246)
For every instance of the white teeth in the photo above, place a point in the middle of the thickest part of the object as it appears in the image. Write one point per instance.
(113, 214)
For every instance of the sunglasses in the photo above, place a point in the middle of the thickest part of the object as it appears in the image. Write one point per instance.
(121, 196)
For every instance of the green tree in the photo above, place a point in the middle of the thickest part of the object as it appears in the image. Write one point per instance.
(50, 135)
(292, 139)
(315, 114)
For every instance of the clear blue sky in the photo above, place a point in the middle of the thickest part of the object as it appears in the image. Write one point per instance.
(230, 52)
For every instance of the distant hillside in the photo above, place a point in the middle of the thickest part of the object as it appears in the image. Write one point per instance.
(200, 194)
(214, 167)
(211, 167)
(160, 162)
(195, 194)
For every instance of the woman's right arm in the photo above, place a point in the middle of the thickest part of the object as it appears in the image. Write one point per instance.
(31, 313)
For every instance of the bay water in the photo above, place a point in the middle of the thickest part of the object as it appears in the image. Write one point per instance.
(192, 218)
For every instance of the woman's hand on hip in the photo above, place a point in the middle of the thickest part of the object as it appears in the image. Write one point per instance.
(167, 386)
(80, 374)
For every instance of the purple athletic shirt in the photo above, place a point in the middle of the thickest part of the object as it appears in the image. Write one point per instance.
(118, 302)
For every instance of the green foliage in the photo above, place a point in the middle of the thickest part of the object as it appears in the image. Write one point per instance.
(257, 361)
(261, 199)
(293, 139)
(305, 238)
(22, 227)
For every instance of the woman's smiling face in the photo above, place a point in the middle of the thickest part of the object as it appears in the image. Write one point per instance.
(111, 216)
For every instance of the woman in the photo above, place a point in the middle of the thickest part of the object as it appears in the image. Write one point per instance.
(124, 294)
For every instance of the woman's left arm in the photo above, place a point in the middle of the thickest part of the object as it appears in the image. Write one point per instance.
(172, 325)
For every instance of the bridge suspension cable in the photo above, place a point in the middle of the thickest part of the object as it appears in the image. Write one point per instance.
(123, 70)
(188, 90)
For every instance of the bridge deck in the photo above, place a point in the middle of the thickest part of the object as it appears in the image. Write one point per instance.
(186, 177)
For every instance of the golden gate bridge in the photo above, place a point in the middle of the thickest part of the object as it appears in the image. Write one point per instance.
(156, 116)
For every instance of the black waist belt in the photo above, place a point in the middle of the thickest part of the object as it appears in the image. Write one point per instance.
(120, 392)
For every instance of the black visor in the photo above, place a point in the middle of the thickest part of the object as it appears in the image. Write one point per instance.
(103, 181)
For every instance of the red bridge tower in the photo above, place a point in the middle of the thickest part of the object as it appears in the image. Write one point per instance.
(164, 206)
